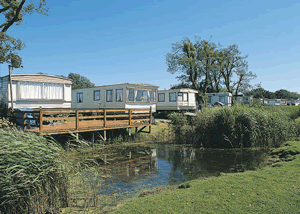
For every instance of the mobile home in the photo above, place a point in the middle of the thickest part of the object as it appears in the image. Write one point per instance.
(176, 99)
(225, 98)
(122, 96)
(293, 102)
(244, 99)
(274, 102)
(36, 91)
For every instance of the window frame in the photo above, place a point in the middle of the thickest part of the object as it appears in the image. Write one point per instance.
(147, 90)
(111, 95)
(220, 97)
(117, 95)
(170, 97)
(182, 95)
(78, 93)
(95, 96)
(209, 99)
(128, 89)
(152, 92)
(164, 97)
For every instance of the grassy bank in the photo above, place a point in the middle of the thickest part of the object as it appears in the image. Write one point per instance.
(273, 189)
(237, 127)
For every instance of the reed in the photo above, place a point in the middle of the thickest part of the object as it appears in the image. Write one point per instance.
(32, 178)
(238, 127)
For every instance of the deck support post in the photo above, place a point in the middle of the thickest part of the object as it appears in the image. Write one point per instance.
(104, 135)
(77, 120)
(136, 129)
(41, 121)
(77, 138)
(24, 121)
(129, 131)
(93, 139)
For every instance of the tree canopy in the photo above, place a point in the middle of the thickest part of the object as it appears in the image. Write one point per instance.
(80, 81)
(13, 12)
(208, 67)
(279, 94)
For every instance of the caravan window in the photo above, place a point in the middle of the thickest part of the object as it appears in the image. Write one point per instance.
(109, 96)
(130, 95)
(152, 96)
(161, 97)
(142, 95)
(96, 95)
(183, 96)
(53, 91)
(79, 97)
(41, 91)
(31, 90)
(119, 95)
(172, 97)
(209, 99)
(222, 99)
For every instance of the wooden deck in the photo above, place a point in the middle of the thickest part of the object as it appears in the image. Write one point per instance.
(51, 122)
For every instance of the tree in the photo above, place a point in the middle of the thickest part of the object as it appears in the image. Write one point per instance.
(260, 93)
(235, 66)
(14, 12)
(80, 81)
(208, 67)
(285, 94)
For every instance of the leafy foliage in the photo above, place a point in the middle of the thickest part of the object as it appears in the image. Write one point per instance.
(237, 127)
(279, 94)
(13, 12)
(208, 67)
(80, 81)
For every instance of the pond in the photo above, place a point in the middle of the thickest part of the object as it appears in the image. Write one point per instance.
(169, 164)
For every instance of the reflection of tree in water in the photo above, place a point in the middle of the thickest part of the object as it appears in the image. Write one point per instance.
(190, 163)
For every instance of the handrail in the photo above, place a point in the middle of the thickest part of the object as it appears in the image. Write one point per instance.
(83, 119)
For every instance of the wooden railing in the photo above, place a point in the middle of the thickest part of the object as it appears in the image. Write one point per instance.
(55, 121)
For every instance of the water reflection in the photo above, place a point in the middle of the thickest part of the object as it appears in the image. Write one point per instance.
(170, 164)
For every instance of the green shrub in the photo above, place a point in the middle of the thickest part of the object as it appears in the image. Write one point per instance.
(239, 126)
(31, 177)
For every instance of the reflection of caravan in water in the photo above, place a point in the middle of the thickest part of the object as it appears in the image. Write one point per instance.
(122, 96)
(137, 168)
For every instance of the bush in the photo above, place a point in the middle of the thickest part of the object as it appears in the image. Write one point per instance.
(31, 178)
(237, 127)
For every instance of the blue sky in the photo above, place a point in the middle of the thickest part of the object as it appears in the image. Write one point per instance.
(121, 41)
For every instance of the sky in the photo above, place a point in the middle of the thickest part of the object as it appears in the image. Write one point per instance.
(117, 41)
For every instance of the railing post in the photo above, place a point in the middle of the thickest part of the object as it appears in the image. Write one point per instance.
(104, 119)
(150, 119)
(77, 120)
(41, 121)
(24, 121)
(150, 115)
(130, 117)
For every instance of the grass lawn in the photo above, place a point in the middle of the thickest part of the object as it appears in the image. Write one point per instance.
(273, 189)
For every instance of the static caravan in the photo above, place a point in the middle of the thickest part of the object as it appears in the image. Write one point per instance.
(225, 98)
(264, 101)
(176, 99)
(293, 102)
(36, 91)
(274, 102)
(122, 96)
(244, 99)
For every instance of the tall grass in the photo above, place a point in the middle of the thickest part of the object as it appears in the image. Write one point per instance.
(31, 176)
(237, 127)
